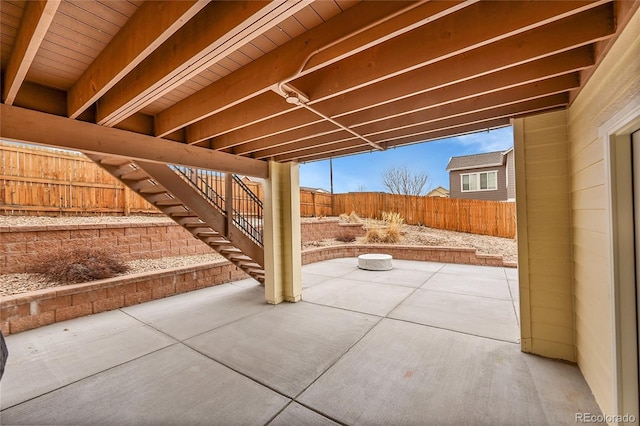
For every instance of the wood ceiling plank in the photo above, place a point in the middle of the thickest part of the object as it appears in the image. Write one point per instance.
(149, 27)
(308, 18)
(305, 145)
(23, 125)
(457, 33)
(569, 33)
(522, 74)
(254, 110)
(108, 23)
(552, 66)
(213, 33)
(274, 67)
(327, 9)
(275, 142)
(37, 17)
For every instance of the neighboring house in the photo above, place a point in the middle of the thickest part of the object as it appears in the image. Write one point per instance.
(439, 192)
(487, 176)
(308, 188)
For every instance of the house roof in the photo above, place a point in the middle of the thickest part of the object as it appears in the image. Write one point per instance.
(287, 80)
(439, 191)
(476, 161)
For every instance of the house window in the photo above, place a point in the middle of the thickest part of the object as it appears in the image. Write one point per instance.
(484, 181)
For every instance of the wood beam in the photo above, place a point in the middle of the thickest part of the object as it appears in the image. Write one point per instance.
(520, 75)
(35, 23)
(538, 89)
(439, 123)
(509, 110)
(284, 62)
(455, 34)
(209, 36)
(152, 24)
(623, 10)
(561, 36)
(23, 125)
(275, 131)
(255, 110)
(567, 35)
(273, 145)
(350, 148)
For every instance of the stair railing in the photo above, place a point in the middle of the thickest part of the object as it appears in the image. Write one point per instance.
(247, 210)
(243, 208)
(209, 183)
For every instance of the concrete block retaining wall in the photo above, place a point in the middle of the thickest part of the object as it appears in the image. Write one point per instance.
(26, 311)
(20, 246)
(461, 255)
(330, 228)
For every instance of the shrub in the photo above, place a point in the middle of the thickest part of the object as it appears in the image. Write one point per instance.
(79, 264)
(374, 235)
(392, 218)
(346, 238)
(392, 234)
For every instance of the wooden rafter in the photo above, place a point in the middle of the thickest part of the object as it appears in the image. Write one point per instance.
(152, 24)
(211, 35)
(558, 38)
(35, 23)
(283, 63)
(452, 35)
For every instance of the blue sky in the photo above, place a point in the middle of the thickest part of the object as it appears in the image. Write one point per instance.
(365, 170)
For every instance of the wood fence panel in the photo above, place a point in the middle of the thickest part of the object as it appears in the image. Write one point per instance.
(473, 216)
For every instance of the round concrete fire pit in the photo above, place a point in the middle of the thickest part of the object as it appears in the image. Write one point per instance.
(375, 262)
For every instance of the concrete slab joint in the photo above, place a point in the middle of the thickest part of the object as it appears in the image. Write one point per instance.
(282, 235)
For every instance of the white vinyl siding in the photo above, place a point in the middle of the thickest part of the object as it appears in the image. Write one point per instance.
(483, 181)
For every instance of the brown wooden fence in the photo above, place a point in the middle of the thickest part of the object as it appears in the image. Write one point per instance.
(42, 181)
(315, 204)
(473, 216)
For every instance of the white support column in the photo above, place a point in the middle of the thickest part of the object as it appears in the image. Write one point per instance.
(282, 242)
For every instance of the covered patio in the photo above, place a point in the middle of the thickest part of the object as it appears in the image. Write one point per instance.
(424, 343)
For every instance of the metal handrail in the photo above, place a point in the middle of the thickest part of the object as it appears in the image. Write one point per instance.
(197, 181)
(247, 211)
(247, 208)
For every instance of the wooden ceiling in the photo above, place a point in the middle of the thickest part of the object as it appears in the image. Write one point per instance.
(300, 80)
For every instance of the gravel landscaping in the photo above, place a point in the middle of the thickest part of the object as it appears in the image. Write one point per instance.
(411, 235)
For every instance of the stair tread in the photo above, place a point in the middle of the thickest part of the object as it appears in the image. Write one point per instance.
(135, 175)
(169, 203)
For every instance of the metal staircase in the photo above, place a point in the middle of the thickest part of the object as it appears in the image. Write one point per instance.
(217, 208)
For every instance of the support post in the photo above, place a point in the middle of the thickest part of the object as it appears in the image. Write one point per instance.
(282, 240)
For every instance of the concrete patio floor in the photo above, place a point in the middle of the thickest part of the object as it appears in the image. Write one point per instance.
(423, 344)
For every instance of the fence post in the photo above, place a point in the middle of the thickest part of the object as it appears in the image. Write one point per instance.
(126, 201)
(313, 203)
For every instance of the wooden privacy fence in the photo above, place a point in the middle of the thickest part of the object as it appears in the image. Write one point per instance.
(45, 181)
(41, 181)
(315, 204)
(473, 216)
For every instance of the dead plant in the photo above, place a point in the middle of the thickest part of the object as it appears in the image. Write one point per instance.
(78, 264)
(374, 235)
